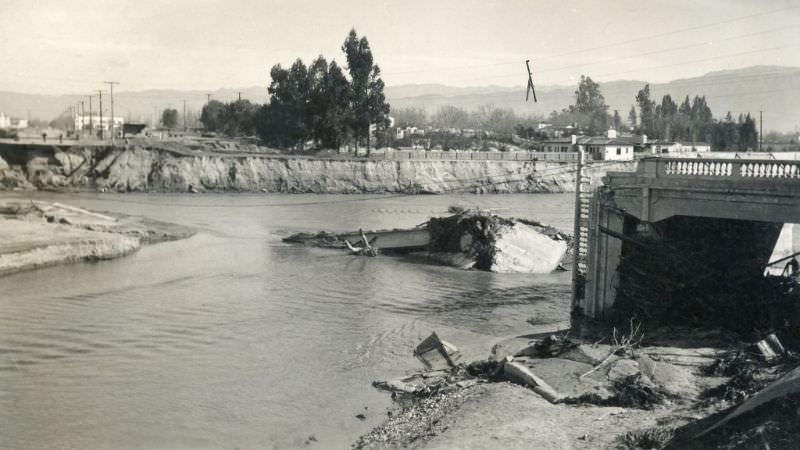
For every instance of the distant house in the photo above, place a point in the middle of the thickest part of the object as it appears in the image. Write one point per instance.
(609, 149)
(606, 148)
(658, 147)
(560, 145)
(409, 131)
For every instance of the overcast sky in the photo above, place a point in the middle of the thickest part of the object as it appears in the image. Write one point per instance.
(60, 47)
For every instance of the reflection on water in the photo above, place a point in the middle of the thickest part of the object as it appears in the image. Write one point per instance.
(234, 339)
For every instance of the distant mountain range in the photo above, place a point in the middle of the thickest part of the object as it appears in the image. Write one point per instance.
(773, 89)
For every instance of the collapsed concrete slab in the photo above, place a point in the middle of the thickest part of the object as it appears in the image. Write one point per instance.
(467, 240)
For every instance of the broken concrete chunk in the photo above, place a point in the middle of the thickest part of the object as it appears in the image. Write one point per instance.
(775, 343)
(399, 386)
(587, 353)
(519, 374)
(771, 348)
(766, 350)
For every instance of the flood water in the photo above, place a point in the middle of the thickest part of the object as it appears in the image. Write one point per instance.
(233, 339)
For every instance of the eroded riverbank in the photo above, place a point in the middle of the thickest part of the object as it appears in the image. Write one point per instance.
(143, 168)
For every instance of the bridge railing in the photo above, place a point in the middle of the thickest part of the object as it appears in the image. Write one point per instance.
(722, 168)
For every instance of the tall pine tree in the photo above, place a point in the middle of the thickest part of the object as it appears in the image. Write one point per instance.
(367, 101)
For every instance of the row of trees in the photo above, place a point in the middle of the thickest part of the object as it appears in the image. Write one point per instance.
(501, 121)
(692, 120)
(319, 103)
(234, 118)
(312, 103)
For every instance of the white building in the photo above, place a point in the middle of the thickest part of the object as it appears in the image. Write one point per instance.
(12, 123)
(87, 122)
(659, 147)
(606, 148)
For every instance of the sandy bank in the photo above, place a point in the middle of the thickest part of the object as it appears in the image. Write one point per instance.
(37, 234)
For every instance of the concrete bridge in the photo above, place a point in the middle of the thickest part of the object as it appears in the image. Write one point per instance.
(676, 199)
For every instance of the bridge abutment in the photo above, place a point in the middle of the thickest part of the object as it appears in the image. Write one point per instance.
(677, 229)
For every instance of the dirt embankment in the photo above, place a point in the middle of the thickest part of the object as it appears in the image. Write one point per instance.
(141, 169)
(37, 235)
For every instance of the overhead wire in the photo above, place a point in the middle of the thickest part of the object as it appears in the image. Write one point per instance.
(614, 44)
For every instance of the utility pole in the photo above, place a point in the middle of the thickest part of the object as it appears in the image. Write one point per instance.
(240, 95)
(111, 123)
(760, 129)
(83, 117)
(91, 122)
(184, 116)
(100, 96)
(208, 99)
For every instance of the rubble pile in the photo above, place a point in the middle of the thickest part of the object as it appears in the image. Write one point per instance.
(702, 395)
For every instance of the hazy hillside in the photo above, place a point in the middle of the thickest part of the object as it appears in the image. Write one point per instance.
(134, 106)
(776, 90)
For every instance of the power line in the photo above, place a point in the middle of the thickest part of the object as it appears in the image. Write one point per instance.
(669, 33)
(102, 128)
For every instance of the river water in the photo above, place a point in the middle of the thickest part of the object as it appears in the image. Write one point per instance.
(232, 339)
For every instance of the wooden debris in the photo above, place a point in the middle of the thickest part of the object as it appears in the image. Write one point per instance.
(623, 345)
(434, 352)
(367, 248)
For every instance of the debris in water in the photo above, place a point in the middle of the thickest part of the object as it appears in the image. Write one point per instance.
(367, 248)
(469, 239)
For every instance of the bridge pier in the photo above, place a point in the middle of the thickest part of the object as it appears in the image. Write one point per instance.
(605, 251)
